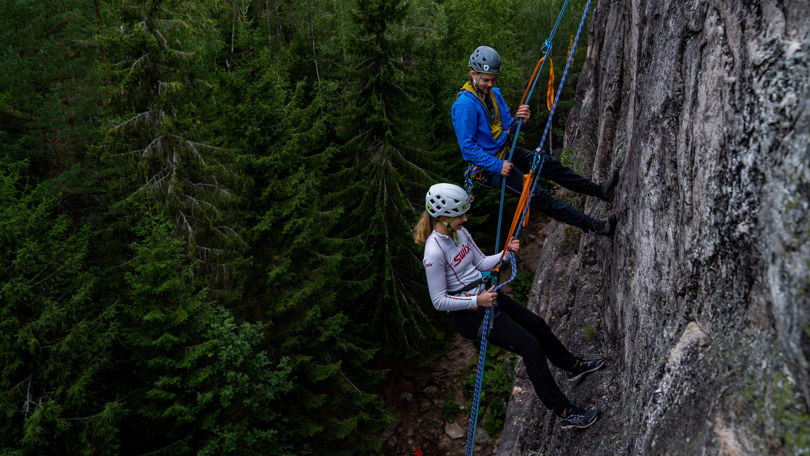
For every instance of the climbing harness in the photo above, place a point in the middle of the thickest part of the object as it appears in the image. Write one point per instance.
(520, 213)
(470, 286)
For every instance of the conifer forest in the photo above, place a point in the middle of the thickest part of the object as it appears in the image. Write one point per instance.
(207, 211)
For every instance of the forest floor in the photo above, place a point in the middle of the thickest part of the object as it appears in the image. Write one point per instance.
(420, 395)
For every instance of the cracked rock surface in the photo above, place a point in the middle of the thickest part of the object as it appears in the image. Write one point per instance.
(700, 303)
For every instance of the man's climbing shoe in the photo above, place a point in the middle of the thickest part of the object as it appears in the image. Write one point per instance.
(585, 366)
(609, 186)
(607, 226)
(578, 418)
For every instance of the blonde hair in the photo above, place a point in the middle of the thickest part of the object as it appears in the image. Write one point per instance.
(423, 228)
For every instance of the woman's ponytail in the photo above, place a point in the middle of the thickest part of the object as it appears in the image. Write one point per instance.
(423, 228)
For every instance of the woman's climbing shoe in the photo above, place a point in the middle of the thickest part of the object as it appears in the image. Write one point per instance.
(583, 367)
(578, 418)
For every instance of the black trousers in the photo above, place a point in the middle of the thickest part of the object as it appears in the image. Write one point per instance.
(521, 331)
(542, 200)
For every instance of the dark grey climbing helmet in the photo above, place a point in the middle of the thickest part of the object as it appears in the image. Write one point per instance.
(484, 59)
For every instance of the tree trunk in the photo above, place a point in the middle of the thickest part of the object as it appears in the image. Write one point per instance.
(700, 301)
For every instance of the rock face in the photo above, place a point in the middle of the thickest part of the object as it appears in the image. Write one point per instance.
(700, 303)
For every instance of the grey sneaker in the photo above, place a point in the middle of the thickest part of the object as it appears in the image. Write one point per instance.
(609, 186)
(584, 367)
(578, 418)
(606, 227)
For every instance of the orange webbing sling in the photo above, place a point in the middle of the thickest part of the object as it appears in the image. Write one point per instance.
(524, 199)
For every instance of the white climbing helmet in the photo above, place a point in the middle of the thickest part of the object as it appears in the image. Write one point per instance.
(446, 199)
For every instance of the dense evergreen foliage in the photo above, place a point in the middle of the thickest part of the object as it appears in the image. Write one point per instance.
(206, 214)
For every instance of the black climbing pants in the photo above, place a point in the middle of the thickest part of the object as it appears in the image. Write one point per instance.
(542, 200)
(521, 331)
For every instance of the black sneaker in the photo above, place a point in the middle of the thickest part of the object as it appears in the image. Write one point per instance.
(606, 227)
(584, 367)
(609, 186)
(578, 418)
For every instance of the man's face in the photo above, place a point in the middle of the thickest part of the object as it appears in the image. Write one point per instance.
(485, 81)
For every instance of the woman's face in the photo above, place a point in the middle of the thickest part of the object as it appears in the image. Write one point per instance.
(458, 222)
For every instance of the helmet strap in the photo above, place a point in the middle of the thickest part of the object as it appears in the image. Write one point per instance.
(476, 81)
(451, 230)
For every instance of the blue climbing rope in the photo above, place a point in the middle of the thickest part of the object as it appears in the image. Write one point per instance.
(537, 166)
(482, 355)
(546, 50)
(539, 157)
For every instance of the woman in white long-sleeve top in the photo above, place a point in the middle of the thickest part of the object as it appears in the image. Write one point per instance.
(453, 264)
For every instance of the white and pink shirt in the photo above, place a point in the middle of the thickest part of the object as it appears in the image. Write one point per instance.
(451, 266)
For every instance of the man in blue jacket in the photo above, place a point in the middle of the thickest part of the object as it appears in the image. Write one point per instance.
(481, 120)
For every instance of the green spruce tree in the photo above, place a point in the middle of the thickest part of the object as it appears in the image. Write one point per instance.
(157, 146)
(377, 177)
(49, 85)
(280, 126)
(56, 339)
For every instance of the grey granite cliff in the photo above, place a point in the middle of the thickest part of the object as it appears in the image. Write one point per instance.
(700, 303)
